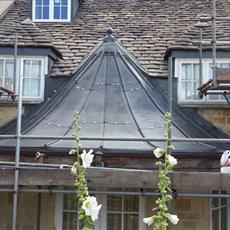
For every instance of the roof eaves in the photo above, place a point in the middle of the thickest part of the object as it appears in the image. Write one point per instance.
(192, 48)
(32, 45)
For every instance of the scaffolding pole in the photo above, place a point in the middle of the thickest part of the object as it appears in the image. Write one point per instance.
(126, 193)
(214, 41)
(18, 141)
(159, 139)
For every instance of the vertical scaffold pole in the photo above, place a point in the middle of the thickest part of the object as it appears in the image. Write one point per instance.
(214, 40)
(18, 140)
(170, 99)
(200, 57)
(170, 94)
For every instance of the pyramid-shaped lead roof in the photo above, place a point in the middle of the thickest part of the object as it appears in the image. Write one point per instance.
(115, 98)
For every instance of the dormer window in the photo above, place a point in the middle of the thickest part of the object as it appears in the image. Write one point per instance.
(32, 71)
(51, 10)
(187, 72)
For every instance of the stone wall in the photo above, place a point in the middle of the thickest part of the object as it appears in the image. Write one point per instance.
(47, 212)
(193, 213)
(7, 113)
(27, 216)
(218, 117)
(27, 211)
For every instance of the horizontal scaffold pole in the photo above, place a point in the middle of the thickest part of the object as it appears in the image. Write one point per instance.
(159, 139)
(125, 193)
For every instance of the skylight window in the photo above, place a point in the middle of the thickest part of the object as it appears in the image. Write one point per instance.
(51, 10)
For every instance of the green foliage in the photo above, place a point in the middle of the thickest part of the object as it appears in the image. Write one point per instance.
(78, 171)
(165, 164)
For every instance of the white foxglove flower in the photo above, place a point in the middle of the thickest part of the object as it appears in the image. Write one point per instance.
(158, 152)
(91, 207)
(87, 158)
(172, 160)
(148, 220)
(172, 218)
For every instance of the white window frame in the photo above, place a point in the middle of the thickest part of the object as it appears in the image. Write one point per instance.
(4, 68)
(44, 71)
(219, 211)
(51, 13)
(101, 223)
(42, 83)
(205, 70)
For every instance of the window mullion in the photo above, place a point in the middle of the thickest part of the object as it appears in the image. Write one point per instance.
(58, 211)
(69, 10)
(122, 213)
(4, 75)
(51, 10)
(142, 210)
(219, 212)
(228, 213)
(30, 77)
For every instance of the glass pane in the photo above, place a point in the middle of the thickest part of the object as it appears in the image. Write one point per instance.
(215, 202)
(57, 12)
(182, 91)
(46, 2)
(213, 97)
(64, 12)
(131, 222)
(57, 2)
(114, 222)
(26, 69)
(114, 203)
(64, 2)
(195, 86)
(224, 218)
(131, 203)
(196, 72)
(187, 71)
(183, 71)
(45, 12)
(222, 98)
(26, 89)
(188, 90)
(223, 200)
(35, 87)
(225, 65)
(215, 220)
(9, 72)
(36, 69)
(70, 221)
(70, 202)
(210, 71)
(1, 68)
(9, 83)
(38, 13)
(38, 2)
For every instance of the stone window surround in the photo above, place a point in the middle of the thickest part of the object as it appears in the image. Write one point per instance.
(219, 207)
(102, 221)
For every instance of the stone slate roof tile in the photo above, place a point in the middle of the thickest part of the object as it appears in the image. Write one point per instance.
(146, 28)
